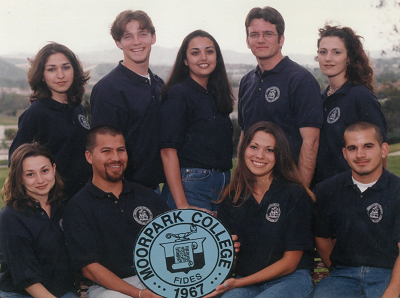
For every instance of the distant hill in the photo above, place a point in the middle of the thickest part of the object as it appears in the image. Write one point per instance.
(12, 76)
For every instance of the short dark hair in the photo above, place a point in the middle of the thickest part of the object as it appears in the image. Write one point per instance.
(118, 27)
(362, 125)
(269, 14)
(14, 193)
(99, 130)
(36, 74)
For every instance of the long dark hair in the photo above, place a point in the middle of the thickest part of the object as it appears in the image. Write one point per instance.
(359, 70)
(218, 78)
(35, 74)
(243, 182)
(14, 193)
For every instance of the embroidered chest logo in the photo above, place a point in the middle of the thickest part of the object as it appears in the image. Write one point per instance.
(273, 212)
(375, 212)
(272, 94)
(333, 115)
(142, 215)
(83, 121)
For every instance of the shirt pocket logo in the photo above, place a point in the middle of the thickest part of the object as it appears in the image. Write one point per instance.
(272, 94)
(375, 212)
(273, 212)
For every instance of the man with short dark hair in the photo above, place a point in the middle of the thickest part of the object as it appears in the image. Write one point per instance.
(129, 98)
(357, 225)
(279, 90)
(105, 217)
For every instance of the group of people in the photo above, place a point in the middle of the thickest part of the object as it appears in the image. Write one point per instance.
(143, 133)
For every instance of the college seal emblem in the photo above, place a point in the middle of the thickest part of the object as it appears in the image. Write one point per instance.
(273, 212)
(183, 254)
(272, 94)
(142, 215)
(375, 212)
(333, 115)
(83, 121)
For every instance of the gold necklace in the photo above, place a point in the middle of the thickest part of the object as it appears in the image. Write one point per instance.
(333, 90)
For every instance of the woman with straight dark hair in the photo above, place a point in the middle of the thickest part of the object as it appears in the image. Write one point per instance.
(56, 118)
(268, 207)
(349, 98)
(196, 131)
(33, 255)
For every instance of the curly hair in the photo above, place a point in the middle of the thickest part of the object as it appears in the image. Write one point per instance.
(35, 74)
(359, 70)
(243, 182)
(14, 193)
(218, 78)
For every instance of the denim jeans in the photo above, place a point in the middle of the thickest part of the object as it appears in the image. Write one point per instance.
(201, 186)
(16, 295)
(357, 282)
(97, 291)
(295, 285)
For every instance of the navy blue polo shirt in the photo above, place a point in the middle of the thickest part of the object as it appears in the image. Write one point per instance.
(62, 129)
(287, 95)
(281, 222)
(32, 250)
(366, 225)
(192, 124)
(347, 105)
(127, 101)
(100, 228)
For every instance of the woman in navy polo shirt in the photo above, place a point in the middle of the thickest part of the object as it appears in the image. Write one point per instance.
(270, 209)
(196, 131)
(56, 118)
(33, 255)
(349, 98)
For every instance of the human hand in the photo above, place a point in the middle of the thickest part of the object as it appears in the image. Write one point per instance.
(236, 243)
(146, 293)
(197, 208)
(229, 284)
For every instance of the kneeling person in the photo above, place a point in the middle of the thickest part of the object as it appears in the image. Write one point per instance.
(360, 208)
(105, 217)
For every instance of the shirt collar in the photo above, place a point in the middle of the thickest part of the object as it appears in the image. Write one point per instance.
(380, 184)
(345, 89)
(100, 194)
(53, 104)
(277, 69)
(134, 76)
(196, 86)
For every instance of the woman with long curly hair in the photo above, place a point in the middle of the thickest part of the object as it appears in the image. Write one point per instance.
(196, 131)
(56, 118)
(349, 98)
(269, 208)
(33, 254)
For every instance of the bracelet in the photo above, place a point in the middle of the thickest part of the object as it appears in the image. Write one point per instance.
(140, 293)
(187, 207)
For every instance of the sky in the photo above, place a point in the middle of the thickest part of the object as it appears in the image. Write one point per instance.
(83, 25)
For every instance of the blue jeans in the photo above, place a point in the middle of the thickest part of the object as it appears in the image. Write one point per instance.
(357, 282)
(16, 295)
(295, 285)
(201, 186)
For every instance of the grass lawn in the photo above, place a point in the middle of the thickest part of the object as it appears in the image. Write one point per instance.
(8, 120)
(394, 147)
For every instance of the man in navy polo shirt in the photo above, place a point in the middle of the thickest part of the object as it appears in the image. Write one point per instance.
(279, 90)
(357, 225)
(105, 217)
(128, 98)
